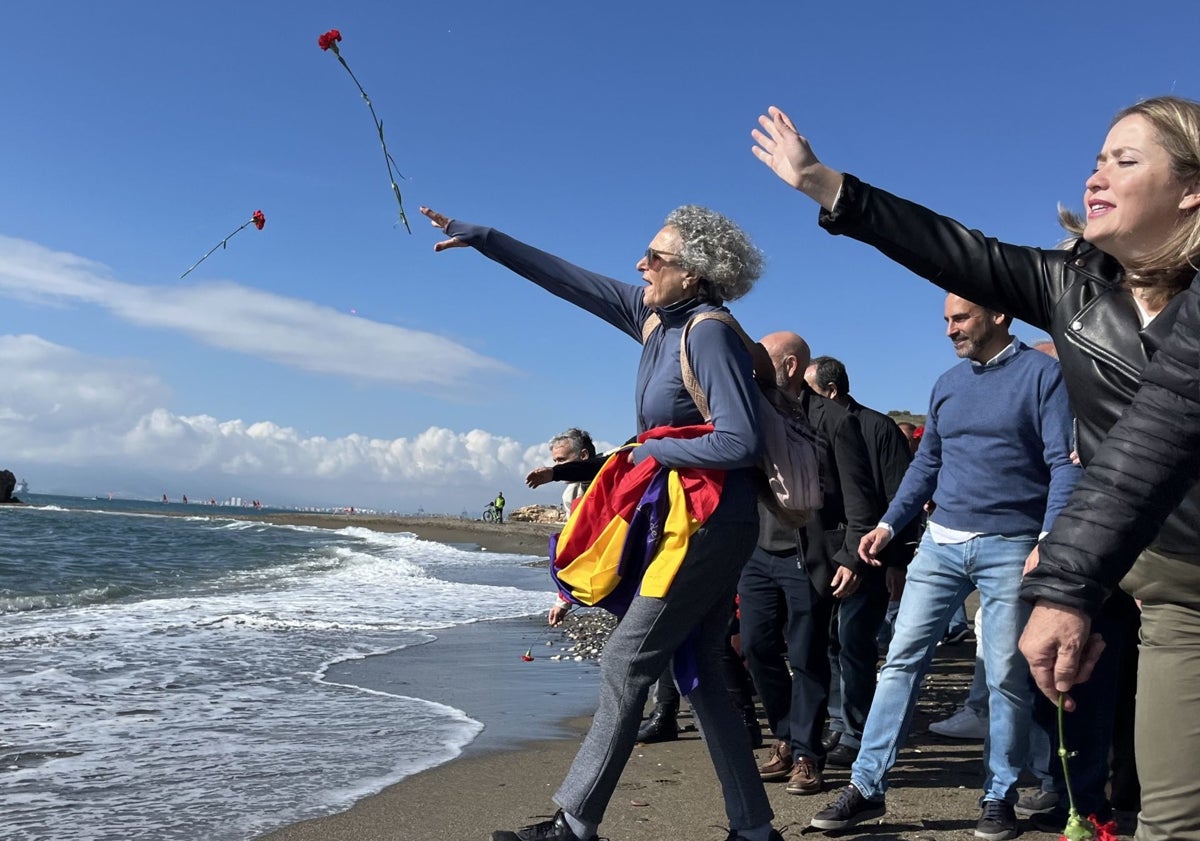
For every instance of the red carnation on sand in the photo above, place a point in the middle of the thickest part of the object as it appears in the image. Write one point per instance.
(256, 219)
(528, 655)
(329, 41)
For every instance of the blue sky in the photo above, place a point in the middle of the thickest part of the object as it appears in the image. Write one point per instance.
(333, 359)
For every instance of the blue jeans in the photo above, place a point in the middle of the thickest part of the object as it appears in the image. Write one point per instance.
(939, 578)
(958, 622)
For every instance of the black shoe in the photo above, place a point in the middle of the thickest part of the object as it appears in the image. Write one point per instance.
(849, 808)
(1055, 820)
(830, 739)
(555, 829)
(842, 756)
(661, 726)
(998, 822)
(750, 716)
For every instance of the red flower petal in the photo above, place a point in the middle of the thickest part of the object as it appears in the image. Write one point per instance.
(258, 219)
(1105, 831)
(328, 39)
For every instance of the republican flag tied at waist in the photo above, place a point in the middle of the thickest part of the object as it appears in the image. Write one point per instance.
(629, 533)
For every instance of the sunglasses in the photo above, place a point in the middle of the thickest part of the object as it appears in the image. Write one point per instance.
(653, 254)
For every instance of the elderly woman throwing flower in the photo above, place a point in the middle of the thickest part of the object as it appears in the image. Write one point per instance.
(696, 262)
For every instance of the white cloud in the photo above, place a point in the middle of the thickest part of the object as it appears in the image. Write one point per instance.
(62, 409)
(288, 331)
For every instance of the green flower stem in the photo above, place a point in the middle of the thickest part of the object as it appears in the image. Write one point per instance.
(222, 244)
(1063, 755)
(393, 170)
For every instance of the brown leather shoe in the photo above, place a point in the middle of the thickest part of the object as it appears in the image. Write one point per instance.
(778, 765)
(806, 777)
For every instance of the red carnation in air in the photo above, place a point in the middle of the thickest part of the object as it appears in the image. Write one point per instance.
(257, 219)
(329, 39)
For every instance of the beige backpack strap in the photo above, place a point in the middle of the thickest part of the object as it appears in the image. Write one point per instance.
(689, 375)
(650, 325)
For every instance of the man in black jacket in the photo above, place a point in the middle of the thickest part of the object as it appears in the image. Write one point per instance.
(789, 586)
(855, 649)
(1135, 481)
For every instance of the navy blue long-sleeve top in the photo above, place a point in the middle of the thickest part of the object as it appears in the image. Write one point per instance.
(722, 364)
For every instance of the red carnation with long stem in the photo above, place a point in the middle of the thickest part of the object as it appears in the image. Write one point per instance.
(329, 41)
(1079, 828)
(256, 219)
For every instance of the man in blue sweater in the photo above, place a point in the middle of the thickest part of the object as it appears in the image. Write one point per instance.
(996, 459)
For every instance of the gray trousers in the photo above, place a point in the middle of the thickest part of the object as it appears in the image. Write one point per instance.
(642, 646)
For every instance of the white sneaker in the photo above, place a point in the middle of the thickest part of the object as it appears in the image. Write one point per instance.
(964, 724)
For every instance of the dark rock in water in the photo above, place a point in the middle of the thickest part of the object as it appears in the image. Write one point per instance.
(8, 481)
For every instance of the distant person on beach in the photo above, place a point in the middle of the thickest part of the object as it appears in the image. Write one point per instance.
(1001, 414)
(499, 503)
(696, 262)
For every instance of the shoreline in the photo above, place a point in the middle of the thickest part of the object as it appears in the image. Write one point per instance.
(511, 537)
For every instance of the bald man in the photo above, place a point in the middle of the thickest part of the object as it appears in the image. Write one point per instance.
(807, 570)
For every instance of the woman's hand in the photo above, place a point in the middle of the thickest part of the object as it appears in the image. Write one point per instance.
(789, 156)
(439, 221)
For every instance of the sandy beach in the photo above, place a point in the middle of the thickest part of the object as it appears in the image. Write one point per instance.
(668, 791)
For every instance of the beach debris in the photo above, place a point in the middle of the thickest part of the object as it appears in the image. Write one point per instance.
(329, 41)
(256, 219)
(528, 655)
(638, 803)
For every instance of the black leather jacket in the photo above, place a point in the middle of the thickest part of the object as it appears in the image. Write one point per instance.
(1076, 296)
(1147, 464)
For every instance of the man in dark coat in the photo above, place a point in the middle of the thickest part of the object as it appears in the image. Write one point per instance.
(854, 649)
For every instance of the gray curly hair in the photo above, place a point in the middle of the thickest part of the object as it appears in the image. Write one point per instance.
(717, 250)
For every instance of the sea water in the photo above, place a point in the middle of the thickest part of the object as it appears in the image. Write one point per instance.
(165, 676)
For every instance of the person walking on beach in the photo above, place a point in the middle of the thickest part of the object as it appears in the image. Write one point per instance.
(996, 459)
(854, 644)
(696, 262)
(787, 594)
